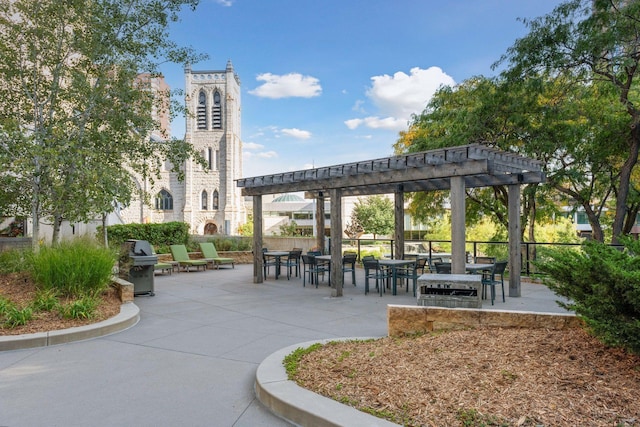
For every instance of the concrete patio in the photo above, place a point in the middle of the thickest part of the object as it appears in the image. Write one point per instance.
(192, 358)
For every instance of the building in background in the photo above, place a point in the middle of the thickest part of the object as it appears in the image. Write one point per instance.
(207, 199)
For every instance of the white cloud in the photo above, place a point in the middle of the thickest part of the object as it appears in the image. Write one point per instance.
(400, 95)
(353, 123)
(297, 133)
(358, 106)
(268, 154)
(286, 86)
(252, 146)
(225, 2)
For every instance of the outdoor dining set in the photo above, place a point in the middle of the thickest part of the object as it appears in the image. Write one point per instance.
(385, 273)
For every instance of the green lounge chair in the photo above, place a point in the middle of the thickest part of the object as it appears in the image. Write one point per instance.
(160, 266)
(180, 254)
(210, 254)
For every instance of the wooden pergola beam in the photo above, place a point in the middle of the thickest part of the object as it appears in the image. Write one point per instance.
(455, 169)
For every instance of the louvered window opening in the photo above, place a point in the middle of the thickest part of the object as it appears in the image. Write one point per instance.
(216, 111)
(202, 111)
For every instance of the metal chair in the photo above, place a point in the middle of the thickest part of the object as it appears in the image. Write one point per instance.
(293, 262)
(373, 270)
(313, 269)
(410, 273)
(443, 267)
(421, 265)
(489, 280)
(267, 262)
(432, 263)
(349, 265)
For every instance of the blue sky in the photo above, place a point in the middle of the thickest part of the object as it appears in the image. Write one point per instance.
(333, 81)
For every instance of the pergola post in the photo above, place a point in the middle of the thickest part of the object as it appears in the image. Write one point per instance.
(458, 242)
(257, 240)
(335, 194)
(399, 222)
(515, 247)
(320, 221)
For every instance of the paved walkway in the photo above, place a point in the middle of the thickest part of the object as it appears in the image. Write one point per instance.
(192, 358)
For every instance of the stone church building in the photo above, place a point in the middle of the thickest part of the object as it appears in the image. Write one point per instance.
(207, 198)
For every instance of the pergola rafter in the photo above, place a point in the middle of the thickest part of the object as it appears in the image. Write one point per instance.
(453, 169)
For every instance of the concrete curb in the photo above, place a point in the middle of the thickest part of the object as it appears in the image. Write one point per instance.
(129, 315)
(303, 407)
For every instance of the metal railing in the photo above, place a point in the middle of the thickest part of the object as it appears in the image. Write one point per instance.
(531, 251)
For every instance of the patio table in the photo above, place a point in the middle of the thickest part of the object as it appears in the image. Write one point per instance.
(394, 264)
(277, 255)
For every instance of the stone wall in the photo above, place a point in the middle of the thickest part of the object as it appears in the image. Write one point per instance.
(407, 320)
(124, 288)
(10, 243)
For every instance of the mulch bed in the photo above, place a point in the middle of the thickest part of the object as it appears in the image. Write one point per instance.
(20, 288)
(482, 377)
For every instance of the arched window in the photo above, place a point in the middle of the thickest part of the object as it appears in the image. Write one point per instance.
(164, 201)
(216, 111)
(204, 200)
(215, 200)
(202, 110)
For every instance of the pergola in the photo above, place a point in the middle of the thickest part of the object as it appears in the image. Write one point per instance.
(454, 169)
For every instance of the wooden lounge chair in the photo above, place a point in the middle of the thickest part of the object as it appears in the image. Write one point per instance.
(210, 254)
(180, 254)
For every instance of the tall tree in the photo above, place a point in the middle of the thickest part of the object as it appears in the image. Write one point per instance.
(593, 42)
(375, 214)
(73, 113)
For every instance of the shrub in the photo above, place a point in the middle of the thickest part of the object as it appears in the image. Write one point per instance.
(14, 261)
(227, 243)
(160, 235)
(603, 286)
(73, 268)
(45, 300)
(82, 308)
(15, 316)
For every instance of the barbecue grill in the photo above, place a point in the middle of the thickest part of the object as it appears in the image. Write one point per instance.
(139, 259)
(450, 290)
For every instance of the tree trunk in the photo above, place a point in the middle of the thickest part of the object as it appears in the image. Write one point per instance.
(35, 227)
(57, 222)
(105, 239)
(625, 180)
(594, 222)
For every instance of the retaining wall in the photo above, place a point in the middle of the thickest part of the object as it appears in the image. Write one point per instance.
(407, 319)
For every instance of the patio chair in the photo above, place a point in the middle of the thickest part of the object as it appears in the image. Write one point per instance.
(268, 262)
(411, 272)
(432, 264)
(312, 269)
(421, 265)
(349, 265)
(373, 270)
(160, 266)
(293, 262)
(489, 280)
(443, 267)
(210, 254)
(180, 254)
